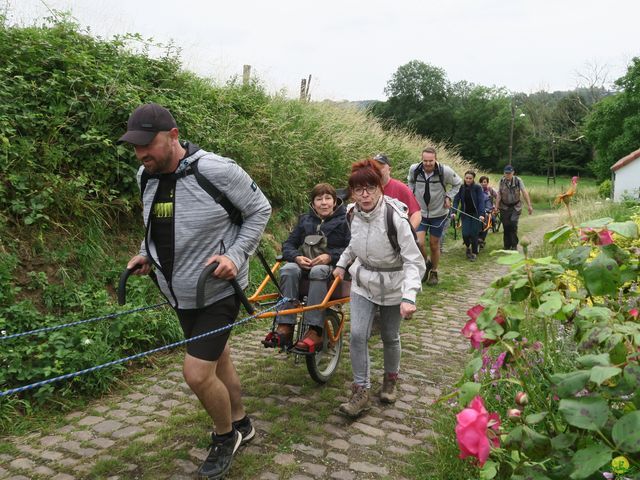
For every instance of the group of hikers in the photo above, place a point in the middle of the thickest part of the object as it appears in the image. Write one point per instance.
(200, 208)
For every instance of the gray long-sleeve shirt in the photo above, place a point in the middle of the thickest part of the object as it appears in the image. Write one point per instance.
(202, 228)
(417, 184)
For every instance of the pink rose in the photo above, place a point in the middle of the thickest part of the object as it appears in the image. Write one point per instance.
(604, 237)
(476, 431)
(634, 313)
(473, 333)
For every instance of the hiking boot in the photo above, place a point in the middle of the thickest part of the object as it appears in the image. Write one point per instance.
(469, 253)
(473, 257)
(358, 404)
(245, 427)
(433, 278)
(220, 456)
(429, 265)
(388, 390)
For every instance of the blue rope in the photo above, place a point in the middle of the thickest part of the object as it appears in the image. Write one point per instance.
(137, 355)
(79, 322)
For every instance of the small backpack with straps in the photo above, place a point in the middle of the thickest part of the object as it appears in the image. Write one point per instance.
(420, 169)
(392, 232)
(509, 194)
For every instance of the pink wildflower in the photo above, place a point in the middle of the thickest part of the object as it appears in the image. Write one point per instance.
(634, 313)
(476, 431)
(500, 361)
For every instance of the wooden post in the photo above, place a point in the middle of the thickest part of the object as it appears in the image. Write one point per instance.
(303, 90)
(307, 94)
(246, 74)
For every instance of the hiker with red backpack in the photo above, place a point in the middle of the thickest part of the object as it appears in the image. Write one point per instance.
(428, 179)
(509, 203)
(386, 269)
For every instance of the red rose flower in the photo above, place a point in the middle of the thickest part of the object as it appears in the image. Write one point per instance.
(476, 431)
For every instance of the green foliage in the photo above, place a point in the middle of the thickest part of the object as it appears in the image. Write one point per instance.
(614, 125)
(605, 189)
(572, 414)
(479, 120)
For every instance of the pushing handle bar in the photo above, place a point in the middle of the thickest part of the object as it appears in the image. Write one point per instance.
(208, 270)
(122, 285)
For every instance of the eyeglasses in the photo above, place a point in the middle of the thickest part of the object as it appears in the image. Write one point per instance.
(370, 189)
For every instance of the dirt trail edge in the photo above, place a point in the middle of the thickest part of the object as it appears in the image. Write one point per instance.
(150, 432)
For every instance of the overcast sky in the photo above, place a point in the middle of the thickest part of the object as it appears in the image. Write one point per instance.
(352, 47)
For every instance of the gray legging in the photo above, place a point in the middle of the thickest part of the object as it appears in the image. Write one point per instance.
(290, 275)
(362, 312)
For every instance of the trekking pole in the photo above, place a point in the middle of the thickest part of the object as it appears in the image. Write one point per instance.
(470, 216)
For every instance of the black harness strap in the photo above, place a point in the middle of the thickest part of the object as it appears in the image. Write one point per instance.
(234, 213)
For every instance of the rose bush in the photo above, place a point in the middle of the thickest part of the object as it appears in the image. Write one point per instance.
(571, 399)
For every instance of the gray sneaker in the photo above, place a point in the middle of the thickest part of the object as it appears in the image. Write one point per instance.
(245, 427)
(220, 456)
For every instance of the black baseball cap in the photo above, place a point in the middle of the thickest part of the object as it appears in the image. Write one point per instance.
(508, 169)
(382, 158)
(145, 122)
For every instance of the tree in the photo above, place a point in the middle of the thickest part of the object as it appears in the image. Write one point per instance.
(614, 125)
(482, 121)
(419, 101)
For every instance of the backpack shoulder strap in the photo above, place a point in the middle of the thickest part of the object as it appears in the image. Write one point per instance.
(441, 176)
(234, 213)
(144, 178)
(392, 232)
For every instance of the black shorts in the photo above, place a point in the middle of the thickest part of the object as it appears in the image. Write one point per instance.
(197, 321)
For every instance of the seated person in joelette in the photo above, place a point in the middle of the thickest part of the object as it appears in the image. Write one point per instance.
(310, 255)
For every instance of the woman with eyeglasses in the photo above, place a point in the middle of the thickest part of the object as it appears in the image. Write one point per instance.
(384, 276)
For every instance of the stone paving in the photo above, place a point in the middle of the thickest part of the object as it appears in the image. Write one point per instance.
(374, 446)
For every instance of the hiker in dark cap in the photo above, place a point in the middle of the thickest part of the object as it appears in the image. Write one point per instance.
(185, 230)
(396, 189)
(509, 203)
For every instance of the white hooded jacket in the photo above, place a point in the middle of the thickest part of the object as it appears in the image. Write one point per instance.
(379, 273)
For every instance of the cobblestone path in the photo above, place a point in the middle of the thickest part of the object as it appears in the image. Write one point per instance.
(159, 430)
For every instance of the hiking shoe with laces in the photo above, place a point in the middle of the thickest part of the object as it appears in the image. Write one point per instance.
(429, 266)
(245, 427)
(433, 278)
(220, 456)
(358, 403)
(388, 390)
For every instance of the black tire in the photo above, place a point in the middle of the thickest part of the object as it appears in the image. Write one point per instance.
(322, 365)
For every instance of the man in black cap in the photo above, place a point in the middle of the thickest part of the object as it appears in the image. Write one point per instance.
(187, 229)
(509, 203)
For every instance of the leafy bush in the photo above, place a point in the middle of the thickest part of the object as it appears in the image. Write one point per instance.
(558, 349)
(604, 189)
